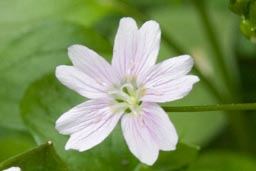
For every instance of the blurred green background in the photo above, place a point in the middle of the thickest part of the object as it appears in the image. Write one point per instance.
(34, 36)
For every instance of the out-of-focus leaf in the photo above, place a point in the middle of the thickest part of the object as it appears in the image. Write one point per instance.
(34, 53)
(41, 158)
(15, 15)
(13, 142)
(223, 161)
(46, 100)
(181, 157)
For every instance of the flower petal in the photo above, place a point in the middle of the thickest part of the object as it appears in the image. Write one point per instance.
(139, 139)
(161, 128)
(92, 64)
(78, 81)
(88, 124)
(148, 132)
(167, 81)
(135, 50)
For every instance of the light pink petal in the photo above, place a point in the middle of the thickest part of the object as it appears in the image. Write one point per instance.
(78, 81)
(138, 138)
(161, 128)
(135, 50)
(92, 64)
(167, 81)
(148, 133)
(88, 124)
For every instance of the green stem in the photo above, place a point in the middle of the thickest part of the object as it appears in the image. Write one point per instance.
(206, 108)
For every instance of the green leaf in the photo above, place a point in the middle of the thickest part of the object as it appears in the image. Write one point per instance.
(32, 54)
(13, 142)
(181, 157)
(41, 158)
(15, 15)
(223, 161)
(46, 99)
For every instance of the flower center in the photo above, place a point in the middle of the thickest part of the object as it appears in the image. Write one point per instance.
(127, 98)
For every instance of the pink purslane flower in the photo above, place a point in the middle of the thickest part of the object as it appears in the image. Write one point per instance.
(128, 89)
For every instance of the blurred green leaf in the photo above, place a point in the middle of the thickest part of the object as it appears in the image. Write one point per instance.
(223, 161)
(15, 15)
(181, 157)
(34, 53)
(46, 100)
(41, 158)
(13, 142)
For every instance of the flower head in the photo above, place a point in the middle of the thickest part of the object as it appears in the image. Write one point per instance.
(129, 88)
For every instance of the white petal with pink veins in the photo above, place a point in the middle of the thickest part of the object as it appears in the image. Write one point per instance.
(135, 50)
(139, 139)
(149, 132)
(161, 128)
(92, 64)
(167, 81)
(78, 81)
(88, 124)
(173, 68)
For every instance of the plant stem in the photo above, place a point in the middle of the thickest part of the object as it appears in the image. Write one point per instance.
(205, 108)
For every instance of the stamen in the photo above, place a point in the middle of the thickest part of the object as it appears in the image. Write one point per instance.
(127, 97)
(119, 107)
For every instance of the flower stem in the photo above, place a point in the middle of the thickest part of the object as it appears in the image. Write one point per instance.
(205, 108)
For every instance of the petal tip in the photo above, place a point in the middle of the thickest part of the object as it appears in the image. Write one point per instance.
(59, 70)
(127, 19)
(149, 160)
(196, 79)
(74, 46)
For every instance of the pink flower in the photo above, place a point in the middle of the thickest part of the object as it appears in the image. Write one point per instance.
(129, 88)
